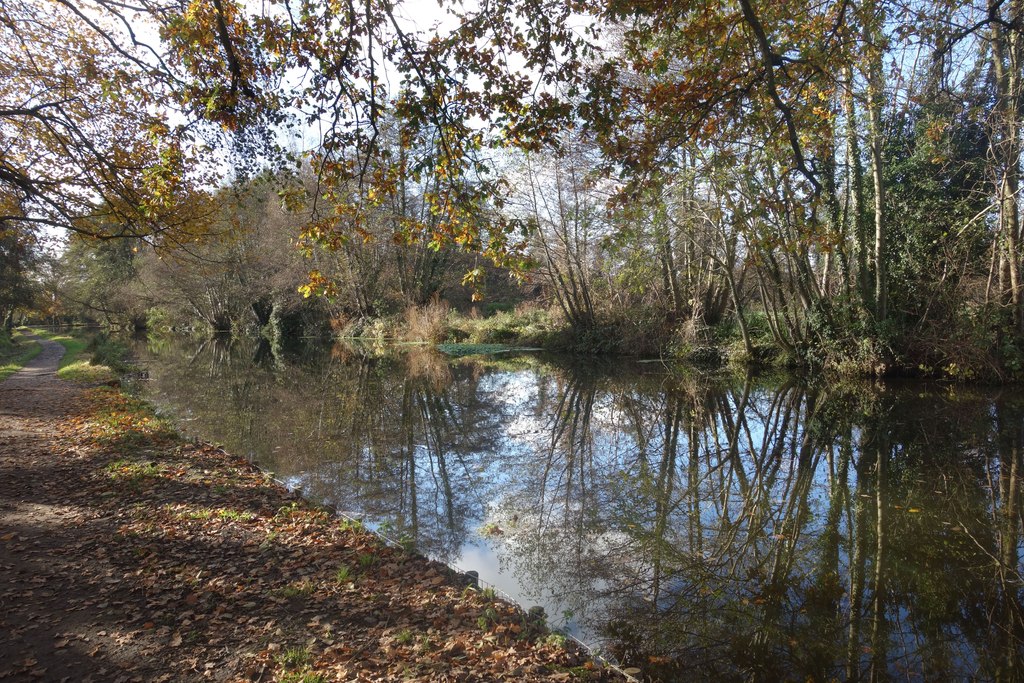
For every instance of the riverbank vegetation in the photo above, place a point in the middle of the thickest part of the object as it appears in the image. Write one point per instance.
(830, 186)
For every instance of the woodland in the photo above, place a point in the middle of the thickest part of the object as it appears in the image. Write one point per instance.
(830, 185)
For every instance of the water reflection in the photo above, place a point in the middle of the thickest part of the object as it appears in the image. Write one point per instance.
(696, 528)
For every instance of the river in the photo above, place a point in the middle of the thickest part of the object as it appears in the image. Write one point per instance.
(698, 527)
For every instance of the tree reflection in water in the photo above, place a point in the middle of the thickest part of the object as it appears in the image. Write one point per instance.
(699, 529)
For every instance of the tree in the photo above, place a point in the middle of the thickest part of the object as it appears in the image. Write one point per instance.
(87, 140)
(97, 281)
(17, 290)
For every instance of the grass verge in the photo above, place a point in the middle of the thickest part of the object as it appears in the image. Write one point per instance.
(87, 359)
(15, 352)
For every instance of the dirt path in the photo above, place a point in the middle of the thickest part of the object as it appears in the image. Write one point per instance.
(129, 555)
(48, 629)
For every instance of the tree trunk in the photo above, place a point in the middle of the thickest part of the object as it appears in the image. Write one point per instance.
(1007, 55)
(874, 107)
(855, 194)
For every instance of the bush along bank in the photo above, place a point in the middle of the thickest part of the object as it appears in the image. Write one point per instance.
(975, 349)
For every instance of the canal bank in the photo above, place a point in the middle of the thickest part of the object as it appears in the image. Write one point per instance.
(129, 554)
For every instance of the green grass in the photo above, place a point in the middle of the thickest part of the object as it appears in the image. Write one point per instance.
(294, 657)
(229, 515)
(226, 514)
(298, 658)
(303, 677)
(84, 372)
(73, 349)
(80, 364)
(296, 589)
(126, 470)
(16, 354)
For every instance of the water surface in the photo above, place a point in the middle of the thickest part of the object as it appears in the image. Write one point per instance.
(695, 527)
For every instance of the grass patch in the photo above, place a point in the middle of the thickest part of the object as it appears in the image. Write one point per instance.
(303, 677)
(294, 590)
(294, 657)
(226, 514)
(126, 470)
(120, 421)
(229, 515)
(84, 372)
(86, 360)
(15, 353)
(73, 349)
(298, 658)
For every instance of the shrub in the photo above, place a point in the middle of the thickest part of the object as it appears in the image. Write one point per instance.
(427, 323)
(108, 352)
